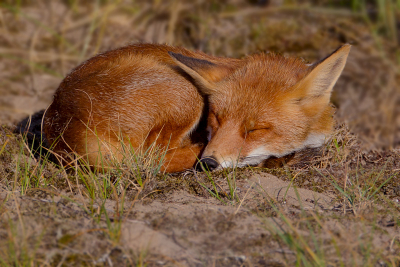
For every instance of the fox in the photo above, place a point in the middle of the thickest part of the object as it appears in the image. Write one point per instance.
(219, 111)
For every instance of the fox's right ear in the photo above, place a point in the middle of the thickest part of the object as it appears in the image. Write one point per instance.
(205, 73)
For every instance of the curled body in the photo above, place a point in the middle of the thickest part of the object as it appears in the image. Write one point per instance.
(135, 96)
(254, 108)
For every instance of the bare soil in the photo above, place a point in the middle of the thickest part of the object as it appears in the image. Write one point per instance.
(181, 228)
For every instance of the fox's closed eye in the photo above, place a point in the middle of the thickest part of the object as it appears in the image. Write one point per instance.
(259, 129)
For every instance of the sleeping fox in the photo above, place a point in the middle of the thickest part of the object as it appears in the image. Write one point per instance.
(253, 108)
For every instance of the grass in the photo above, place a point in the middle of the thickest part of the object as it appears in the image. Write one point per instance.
(52, 215)
(18, 252)
(359, 195)
(90, 192)
(32, 174)
(313, 241)
(214, 191)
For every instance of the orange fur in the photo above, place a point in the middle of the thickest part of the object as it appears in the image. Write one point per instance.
(149, 94)
(135, 95)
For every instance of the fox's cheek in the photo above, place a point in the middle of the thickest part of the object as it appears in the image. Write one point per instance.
(261, 135)
(259, 151)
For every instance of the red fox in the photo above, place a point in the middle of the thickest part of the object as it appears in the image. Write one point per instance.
(260, 106)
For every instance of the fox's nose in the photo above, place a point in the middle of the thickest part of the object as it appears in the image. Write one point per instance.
(207, 164)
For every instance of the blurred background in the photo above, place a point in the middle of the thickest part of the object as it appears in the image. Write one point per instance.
(41, 40)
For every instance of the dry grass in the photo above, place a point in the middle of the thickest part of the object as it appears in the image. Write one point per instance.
(56, 216)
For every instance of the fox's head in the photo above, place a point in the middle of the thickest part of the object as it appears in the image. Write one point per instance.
(265, 105)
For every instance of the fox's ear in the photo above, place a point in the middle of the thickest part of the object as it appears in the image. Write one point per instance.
(204, 72)
(315, 89)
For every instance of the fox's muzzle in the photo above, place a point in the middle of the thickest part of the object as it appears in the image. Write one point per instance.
(207, 164)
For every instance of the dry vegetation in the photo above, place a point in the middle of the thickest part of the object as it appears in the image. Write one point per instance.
(338, 207)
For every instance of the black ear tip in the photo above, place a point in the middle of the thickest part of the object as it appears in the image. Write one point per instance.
(172, 54)
(180, 57)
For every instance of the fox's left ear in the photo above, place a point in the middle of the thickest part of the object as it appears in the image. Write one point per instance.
(205, 73)
(315, 89)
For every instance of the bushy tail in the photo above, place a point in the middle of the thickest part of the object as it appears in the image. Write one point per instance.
(31, 129)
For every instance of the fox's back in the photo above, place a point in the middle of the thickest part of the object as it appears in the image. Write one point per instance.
(133, 89)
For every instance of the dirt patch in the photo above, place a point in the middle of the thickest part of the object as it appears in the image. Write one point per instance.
(180, 227)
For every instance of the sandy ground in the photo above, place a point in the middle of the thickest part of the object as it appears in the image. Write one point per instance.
(180, 228)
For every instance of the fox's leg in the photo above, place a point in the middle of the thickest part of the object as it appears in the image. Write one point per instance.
(183, 146)
(182, 158)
